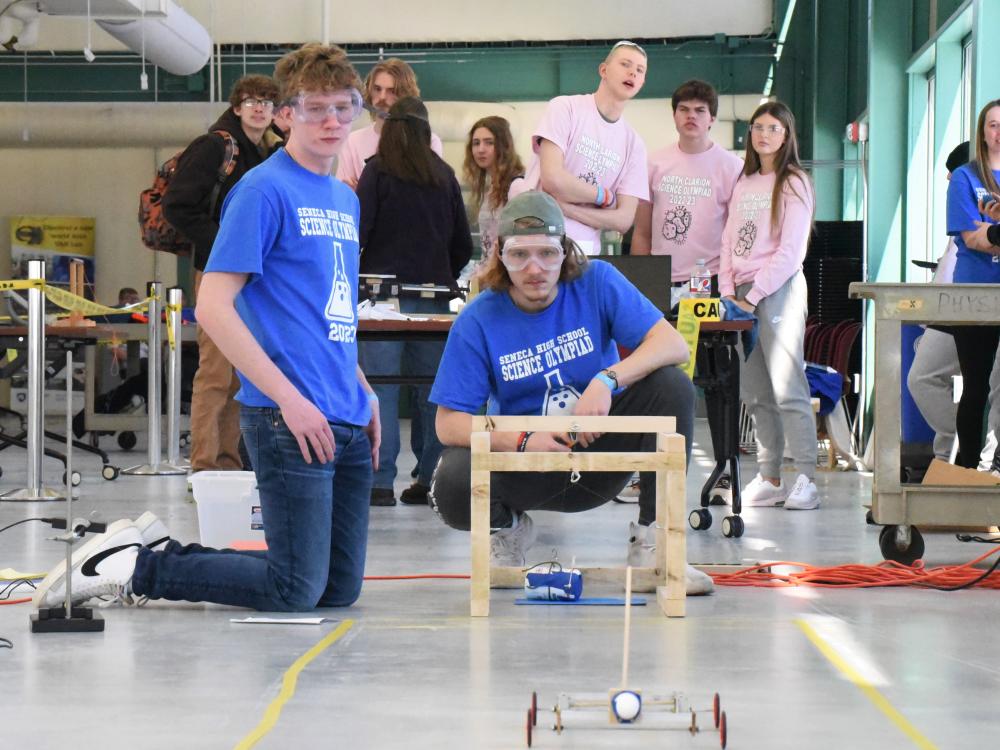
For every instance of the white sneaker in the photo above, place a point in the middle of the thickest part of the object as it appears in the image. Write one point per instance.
(508, 546)
(760, 493)
(631, 492)
(803, 496)
(642, 554)
(102, 566)
(153, 531)
(154, 538)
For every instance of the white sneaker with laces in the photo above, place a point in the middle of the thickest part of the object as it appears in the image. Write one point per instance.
(508, 546)
(642, 554)
(154, 538)
(803, 496)
(102, 566)
(153, 531)
(760, 493)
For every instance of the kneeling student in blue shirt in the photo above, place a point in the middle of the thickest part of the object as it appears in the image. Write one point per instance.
(279, 299)
(542, 339)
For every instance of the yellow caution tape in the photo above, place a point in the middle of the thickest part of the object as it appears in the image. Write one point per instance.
(689, 317)
(71, 302)
(171, 337)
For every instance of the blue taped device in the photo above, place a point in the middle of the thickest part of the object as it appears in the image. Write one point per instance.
(554, 585)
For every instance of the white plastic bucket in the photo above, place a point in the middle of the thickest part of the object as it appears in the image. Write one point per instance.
(228, 507)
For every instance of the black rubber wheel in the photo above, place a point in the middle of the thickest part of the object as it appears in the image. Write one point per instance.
(716, 708)
(732, 527)
(908, 556)
(77, 478)
(527, 726)
(870, 519)
(722, 730)
(700, 519)
(534, 708)
(126, 440)
(109, 472)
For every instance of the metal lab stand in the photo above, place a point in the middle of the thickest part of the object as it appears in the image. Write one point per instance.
(899, 507)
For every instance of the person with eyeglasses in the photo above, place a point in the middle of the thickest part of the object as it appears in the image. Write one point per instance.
(588, 157)
(763, 247)
(542, 340)
(193, 204)
(413, 226)
(386, 83)
(279, 297)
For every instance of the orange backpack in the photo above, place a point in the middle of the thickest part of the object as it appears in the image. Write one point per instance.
(156, 232)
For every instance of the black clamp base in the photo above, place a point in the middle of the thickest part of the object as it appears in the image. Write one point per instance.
(54, 620)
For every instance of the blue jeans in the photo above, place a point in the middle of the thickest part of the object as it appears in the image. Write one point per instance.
(315, 522)
(409, 358)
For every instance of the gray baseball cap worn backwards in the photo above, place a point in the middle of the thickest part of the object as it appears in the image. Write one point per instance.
(533, 212)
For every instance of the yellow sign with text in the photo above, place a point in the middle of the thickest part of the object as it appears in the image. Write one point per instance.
(689, 317)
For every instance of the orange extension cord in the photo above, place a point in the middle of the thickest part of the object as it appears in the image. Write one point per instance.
(884, 574)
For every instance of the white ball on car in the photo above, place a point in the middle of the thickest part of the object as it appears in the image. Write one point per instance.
(626, 705)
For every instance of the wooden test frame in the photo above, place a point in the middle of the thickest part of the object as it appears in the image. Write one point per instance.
(667, 461)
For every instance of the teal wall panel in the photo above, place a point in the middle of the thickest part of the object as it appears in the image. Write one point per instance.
(457, 73)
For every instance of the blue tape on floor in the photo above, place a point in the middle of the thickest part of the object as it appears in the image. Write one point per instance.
(637, 601)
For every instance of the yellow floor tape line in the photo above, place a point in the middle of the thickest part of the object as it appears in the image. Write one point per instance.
(870, 691)
(288, 686)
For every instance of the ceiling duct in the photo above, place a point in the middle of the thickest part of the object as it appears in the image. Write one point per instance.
(175, 41)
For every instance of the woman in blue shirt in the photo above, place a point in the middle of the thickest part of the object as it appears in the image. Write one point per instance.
(977, 261)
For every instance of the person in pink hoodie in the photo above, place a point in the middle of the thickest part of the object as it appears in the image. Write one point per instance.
(763, 246)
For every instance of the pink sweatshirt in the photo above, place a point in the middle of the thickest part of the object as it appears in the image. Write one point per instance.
(361, 146)
(751, 250)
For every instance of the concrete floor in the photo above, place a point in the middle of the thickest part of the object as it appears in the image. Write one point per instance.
(414, 671)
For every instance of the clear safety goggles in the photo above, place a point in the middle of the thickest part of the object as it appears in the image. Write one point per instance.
(345, 105)
(519, 252)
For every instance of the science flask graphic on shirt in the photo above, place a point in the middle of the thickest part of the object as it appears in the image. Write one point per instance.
(559, 397)
(340, 306)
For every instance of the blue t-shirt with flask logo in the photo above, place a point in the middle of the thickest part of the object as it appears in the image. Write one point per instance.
(540, 363)
(295, 233)
(964, 191)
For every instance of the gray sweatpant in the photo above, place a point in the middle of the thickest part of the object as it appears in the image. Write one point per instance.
(773, 384)
(930, 384)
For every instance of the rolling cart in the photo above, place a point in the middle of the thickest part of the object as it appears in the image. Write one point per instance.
(900, 508)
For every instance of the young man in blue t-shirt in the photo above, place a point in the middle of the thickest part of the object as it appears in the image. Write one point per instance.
(543, 340)
(279, 299)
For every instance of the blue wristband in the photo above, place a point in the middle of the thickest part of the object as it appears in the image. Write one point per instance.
(599, 200)
(602, 378)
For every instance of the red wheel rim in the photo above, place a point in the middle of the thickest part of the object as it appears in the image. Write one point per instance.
(716, 705)
(527, 727)
(722, 730)
(534, 708)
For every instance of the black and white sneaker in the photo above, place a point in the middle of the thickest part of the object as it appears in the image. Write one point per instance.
(722, 492)
(153, 531)
(631, 492)
(102, 566)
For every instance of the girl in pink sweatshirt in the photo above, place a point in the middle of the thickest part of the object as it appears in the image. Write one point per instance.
(763, 246)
